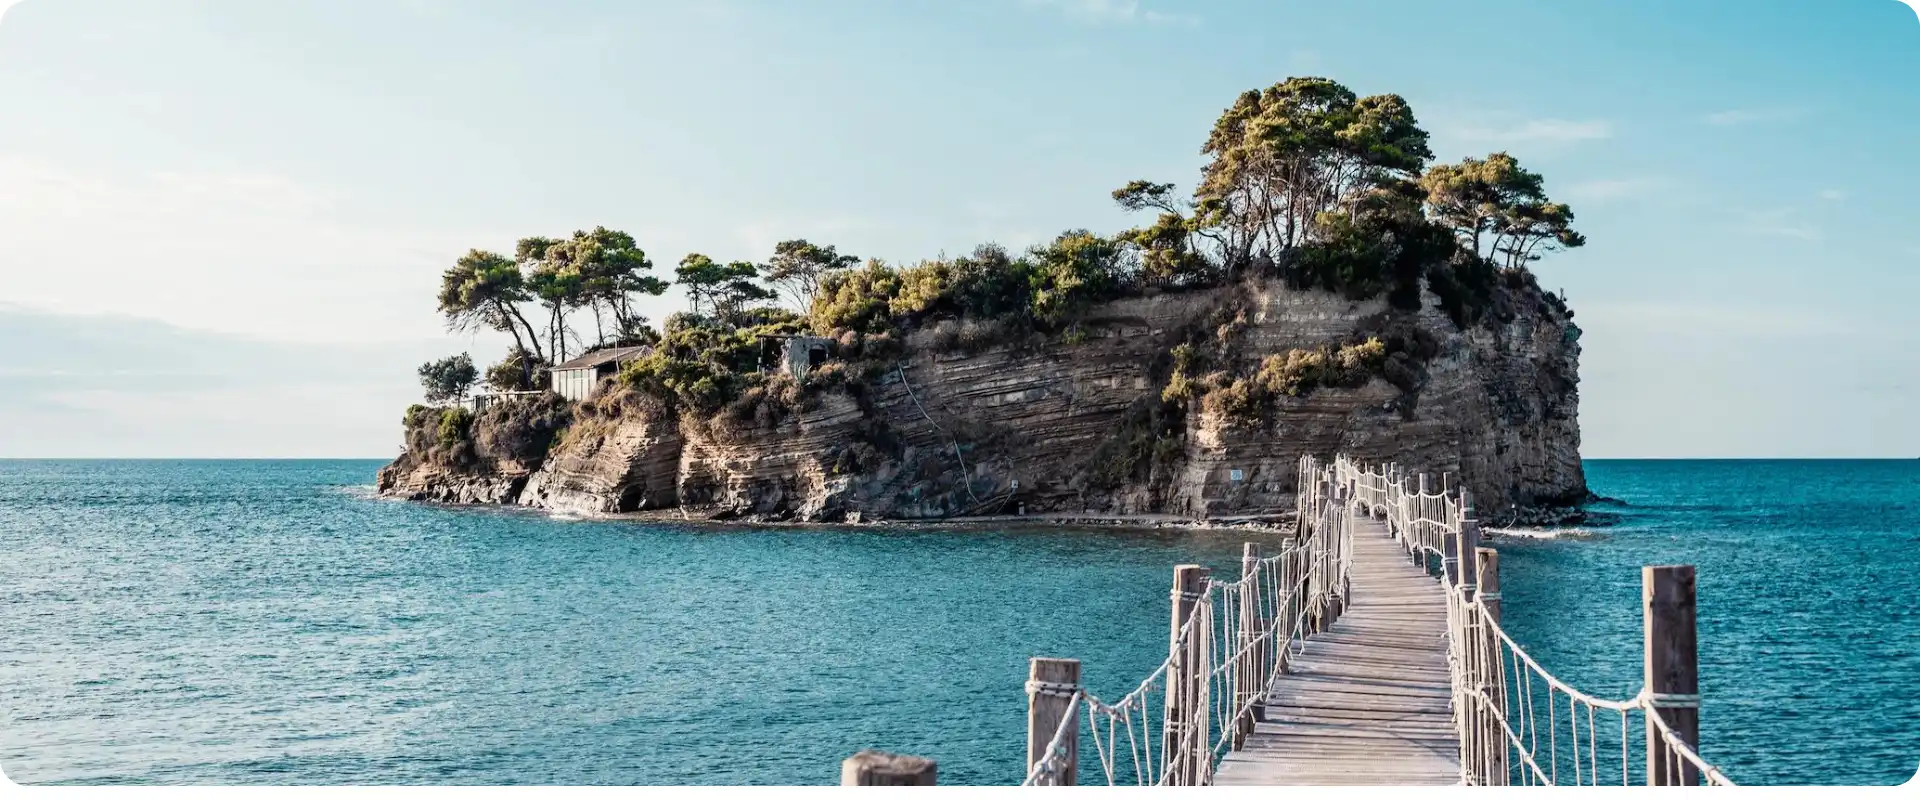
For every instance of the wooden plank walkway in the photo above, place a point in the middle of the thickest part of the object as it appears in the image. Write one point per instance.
(1366, 701)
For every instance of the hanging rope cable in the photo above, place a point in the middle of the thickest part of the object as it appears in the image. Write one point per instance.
(966, 477)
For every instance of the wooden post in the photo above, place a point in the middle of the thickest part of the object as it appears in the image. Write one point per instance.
(1469, 549)
(1186, 675)
(1465, 543)
(1316, 576)
(1336, 552)
(1487, 566)
(874, 768)
(1289, 610)
(1673, 670)
(1450, 560)
(1051, 684)
(1250, 675)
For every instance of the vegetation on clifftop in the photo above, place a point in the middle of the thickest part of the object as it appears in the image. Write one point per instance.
(1305, 182)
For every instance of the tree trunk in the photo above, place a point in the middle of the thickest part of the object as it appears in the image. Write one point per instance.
(532, 338)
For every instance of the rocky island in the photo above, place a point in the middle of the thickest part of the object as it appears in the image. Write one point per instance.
(1324, 289)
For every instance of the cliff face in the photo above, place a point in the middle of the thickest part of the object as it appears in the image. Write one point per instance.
(1077, 425)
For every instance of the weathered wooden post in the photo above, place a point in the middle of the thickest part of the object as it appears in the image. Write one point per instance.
(875, 768)
(1672, 671)
(1289, 610)
(1182, 735)
(1318, 573)
(1250, 676)
(1337, 554)
(1051, 686)
(1469, 549)
(1487, 566)
(1465, 542)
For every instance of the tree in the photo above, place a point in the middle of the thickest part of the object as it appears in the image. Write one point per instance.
(482, 290)
(449, 378)
(723, 290)
(1075, 270)
(520, 371)
(612, 269)
(556, 283)
(798, 265)
(1379, 241)
(1498, 209)
(1170, 248)
(1282, 157)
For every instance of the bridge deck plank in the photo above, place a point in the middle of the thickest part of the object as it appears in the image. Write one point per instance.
(1367, 701)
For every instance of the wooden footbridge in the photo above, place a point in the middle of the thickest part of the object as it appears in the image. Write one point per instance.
(1367, 651)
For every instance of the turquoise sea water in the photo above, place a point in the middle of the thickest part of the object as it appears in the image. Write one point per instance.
(254, 622)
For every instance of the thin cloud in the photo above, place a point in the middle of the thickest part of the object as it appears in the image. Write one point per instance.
(1750, 116)
(1833, 194)
(1667, 319)
(1609, 189)
(1784, 223)
(1539, 131)
(1116, 11)
(254, 253)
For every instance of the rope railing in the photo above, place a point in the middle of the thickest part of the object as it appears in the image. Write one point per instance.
(1228, 638)
(1229, 641)
(1517, 722)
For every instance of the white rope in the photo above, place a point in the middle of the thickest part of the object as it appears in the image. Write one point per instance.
(1241, 634)
(1488, 699)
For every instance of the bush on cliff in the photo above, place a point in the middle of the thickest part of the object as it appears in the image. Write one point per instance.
(702, 365)
(521, 429)
(1296, 373)
(520, 371)
(1047, 289)
(439, 435)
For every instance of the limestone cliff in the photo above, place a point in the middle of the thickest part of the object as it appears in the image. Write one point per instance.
(1077, 424)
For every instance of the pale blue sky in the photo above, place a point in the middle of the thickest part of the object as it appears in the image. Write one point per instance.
(243, 184)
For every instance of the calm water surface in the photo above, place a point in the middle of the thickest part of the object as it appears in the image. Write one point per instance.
(237, 622)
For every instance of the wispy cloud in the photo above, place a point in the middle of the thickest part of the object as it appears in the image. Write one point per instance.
(1537, 131)
(1667, 319)
(1609, 189)
(257, 253)
(112, 385)
(1783, 222)
(1832, 194)
(1116, 11)
(1750, 116)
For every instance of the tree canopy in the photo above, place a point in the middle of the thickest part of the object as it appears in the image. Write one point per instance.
(798, 265)
(1305, 180)
(483, 290)
(1283, 156)
(1499, 209)
(449, 378)
(719, 290)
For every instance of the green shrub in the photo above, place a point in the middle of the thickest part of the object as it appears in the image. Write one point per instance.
(522, 429)
(1296, 373)
(702, 366)
(456, 424)
(520, 371)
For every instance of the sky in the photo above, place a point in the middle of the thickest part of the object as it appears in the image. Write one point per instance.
(222, 222)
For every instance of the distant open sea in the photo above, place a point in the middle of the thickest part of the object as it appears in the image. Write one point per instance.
(268, 622)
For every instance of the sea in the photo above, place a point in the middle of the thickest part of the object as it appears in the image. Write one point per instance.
(272, 622)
